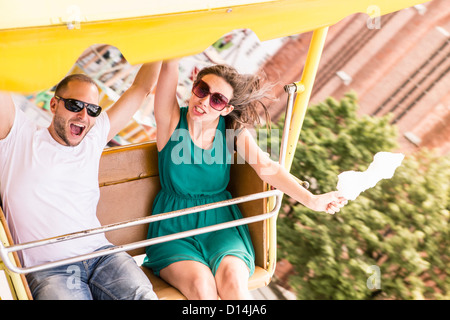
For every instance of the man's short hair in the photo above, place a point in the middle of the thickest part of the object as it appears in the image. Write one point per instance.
(62, 85)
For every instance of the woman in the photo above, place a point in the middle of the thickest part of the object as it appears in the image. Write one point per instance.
(194, 163)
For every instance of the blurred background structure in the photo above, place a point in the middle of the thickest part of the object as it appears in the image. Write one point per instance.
(400, 65)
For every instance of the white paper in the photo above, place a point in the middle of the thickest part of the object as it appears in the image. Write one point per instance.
(352, 183)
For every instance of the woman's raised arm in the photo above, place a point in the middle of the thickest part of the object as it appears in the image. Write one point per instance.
(167, 110)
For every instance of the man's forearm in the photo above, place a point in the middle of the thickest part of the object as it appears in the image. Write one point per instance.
(131, 100)
(147, 75)
(7, 114)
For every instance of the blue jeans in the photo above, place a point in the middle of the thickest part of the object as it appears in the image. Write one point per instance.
(111, 277)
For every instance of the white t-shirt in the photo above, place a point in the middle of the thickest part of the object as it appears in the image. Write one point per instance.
(48, 189)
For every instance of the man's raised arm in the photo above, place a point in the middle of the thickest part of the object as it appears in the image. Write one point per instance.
(7, 114)
(123, 110)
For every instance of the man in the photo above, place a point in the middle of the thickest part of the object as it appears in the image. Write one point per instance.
(49, 187)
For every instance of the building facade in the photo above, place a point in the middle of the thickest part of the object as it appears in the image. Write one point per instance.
(397, 64)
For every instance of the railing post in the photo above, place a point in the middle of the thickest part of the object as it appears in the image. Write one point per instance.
(302, 100)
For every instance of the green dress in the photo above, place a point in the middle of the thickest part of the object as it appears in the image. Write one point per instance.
(191, 176)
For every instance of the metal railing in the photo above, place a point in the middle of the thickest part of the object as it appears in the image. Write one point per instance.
(4, 251)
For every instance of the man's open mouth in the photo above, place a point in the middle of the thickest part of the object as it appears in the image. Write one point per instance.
(77, 129)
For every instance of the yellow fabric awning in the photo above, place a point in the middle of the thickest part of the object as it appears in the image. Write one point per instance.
(41, 40)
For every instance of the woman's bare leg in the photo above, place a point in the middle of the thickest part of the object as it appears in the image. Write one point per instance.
(232, 279)
(194, 279)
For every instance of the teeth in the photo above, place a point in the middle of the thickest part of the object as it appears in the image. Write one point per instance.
(199, 110)
(78, 125)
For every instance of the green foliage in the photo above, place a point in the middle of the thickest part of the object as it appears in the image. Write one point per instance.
(401, 225)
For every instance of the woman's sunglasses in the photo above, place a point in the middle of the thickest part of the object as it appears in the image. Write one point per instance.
(217, 101)
(74, 105)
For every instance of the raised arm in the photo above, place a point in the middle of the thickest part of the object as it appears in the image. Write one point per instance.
(167, 110)
(278, 177)
(7, 114)
(131, 100)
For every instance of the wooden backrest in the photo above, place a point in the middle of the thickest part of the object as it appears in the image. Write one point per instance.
(129, 182)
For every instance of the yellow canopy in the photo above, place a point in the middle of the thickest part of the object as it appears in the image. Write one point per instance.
(41, 40)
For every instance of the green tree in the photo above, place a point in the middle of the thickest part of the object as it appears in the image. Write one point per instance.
(395, 233)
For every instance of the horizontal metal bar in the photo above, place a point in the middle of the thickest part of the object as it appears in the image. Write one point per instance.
(138, 221)
(144, 243)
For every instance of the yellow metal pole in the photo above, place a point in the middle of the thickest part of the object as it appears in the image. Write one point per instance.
(304, 89)
(19, 292)
(305, 84)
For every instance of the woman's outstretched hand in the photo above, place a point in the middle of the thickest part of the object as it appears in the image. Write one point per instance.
(329, 202)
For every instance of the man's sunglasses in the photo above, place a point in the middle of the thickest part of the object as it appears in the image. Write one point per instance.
(217, 101)
(74, 105)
